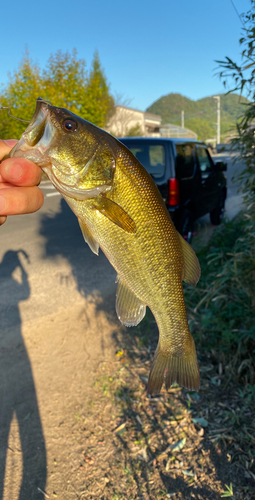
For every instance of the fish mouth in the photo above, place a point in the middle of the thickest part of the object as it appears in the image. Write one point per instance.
(36, 139)
(34, 144)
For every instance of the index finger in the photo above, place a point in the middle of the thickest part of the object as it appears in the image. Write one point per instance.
(20, 172)
(6, 146)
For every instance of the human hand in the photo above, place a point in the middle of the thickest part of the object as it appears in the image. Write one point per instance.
(19, 179)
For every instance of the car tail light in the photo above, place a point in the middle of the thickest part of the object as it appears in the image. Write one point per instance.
(174, 195)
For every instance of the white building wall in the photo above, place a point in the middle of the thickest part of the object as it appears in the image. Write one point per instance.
(124, 119)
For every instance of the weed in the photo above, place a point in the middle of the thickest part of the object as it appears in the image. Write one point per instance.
(228, 492)
(221, 309)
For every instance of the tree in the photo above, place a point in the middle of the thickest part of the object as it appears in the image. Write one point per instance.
(64, 82)
(134, 131)
(243, 79)
(20, 95)
(98, 103)
(239, 267)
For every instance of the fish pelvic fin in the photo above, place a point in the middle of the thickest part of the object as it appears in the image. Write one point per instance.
(88, 237)
(170, 368)
(192, 269)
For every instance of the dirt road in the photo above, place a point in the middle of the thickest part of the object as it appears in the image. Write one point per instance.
(55, 332)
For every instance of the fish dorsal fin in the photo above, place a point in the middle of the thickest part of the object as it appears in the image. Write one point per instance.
(192, 269)
(88, 237)
(115, 213)
(130, 310)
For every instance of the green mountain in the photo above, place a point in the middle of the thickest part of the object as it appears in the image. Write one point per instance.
(201, 116)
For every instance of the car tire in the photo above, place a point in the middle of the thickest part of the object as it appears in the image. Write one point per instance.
(187, 225)
(217, 214)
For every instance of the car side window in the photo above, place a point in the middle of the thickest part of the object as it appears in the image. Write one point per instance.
(152, 157)
(185, 165)
(204, 161)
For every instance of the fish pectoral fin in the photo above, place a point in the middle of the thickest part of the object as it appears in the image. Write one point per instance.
(130, 310)
(192, 269)
(88, 237)
(115, 213)
(171, 367)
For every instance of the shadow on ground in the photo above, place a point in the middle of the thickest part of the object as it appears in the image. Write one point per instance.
(17, 390)
(63, 238)
(151, 448)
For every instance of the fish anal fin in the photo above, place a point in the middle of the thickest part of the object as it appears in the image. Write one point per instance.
(88, 237)
(130, 310)
(192, 269)
(171, 368)
(115, 213)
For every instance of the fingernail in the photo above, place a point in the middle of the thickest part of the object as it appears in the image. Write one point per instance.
(2, 204)
(14, 171)
(10, 142)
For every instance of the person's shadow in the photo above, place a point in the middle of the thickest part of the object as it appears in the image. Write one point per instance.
(17, 390)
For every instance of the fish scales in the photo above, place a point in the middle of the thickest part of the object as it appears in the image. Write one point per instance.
(146, 285)
(121, 211)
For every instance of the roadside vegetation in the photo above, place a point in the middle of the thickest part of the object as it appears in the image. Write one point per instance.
(222, 307)
(229, 263)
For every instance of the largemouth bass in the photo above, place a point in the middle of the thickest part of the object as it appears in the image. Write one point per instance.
(121, 211)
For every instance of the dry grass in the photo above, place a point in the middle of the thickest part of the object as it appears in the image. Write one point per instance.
(180, 445)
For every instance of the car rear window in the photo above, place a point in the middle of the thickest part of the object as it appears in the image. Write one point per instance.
(151, 156)
(185, 164)
(205, 162)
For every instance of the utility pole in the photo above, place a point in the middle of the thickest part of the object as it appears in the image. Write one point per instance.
(218, 118)
(182, 119)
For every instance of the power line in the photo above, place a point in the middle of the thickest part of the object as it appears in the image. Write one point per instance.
(240, 17)
(190, 116)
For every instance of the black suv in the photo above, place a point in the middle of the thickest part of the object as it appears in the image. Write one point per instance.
(190, 183)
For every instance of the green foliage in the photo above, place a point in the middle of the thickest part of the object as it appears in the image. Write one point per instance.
(243, 79)
(20, 95)
(222, 307)
(134, 131)
(242, 75)
(64, 82)
(228, 492)
(200, 116)
(98, 103)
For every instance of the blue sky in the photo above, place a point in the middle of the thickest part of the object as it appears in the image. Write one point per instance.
(147, 48)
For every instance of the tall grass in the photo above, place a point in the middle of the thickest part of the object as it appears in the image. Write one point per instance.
(222, 308)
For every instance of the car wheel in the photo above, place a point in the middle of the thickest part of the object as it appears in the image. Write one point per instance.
(217, 214)
(187, 225)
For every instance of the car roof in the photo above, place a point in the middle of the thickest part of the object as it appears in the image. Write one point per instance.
(164, 139)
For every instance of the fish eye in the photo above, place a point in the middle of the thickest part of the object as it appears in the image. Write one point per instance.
(69, 125)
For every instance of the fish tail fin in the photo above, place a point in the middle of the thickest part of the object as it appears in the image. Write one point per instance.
(172, 367)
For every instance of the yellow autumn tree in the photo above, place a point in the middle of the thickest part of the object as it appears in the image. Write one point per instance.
(98, 103)
(19, 96)
(64, 82)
